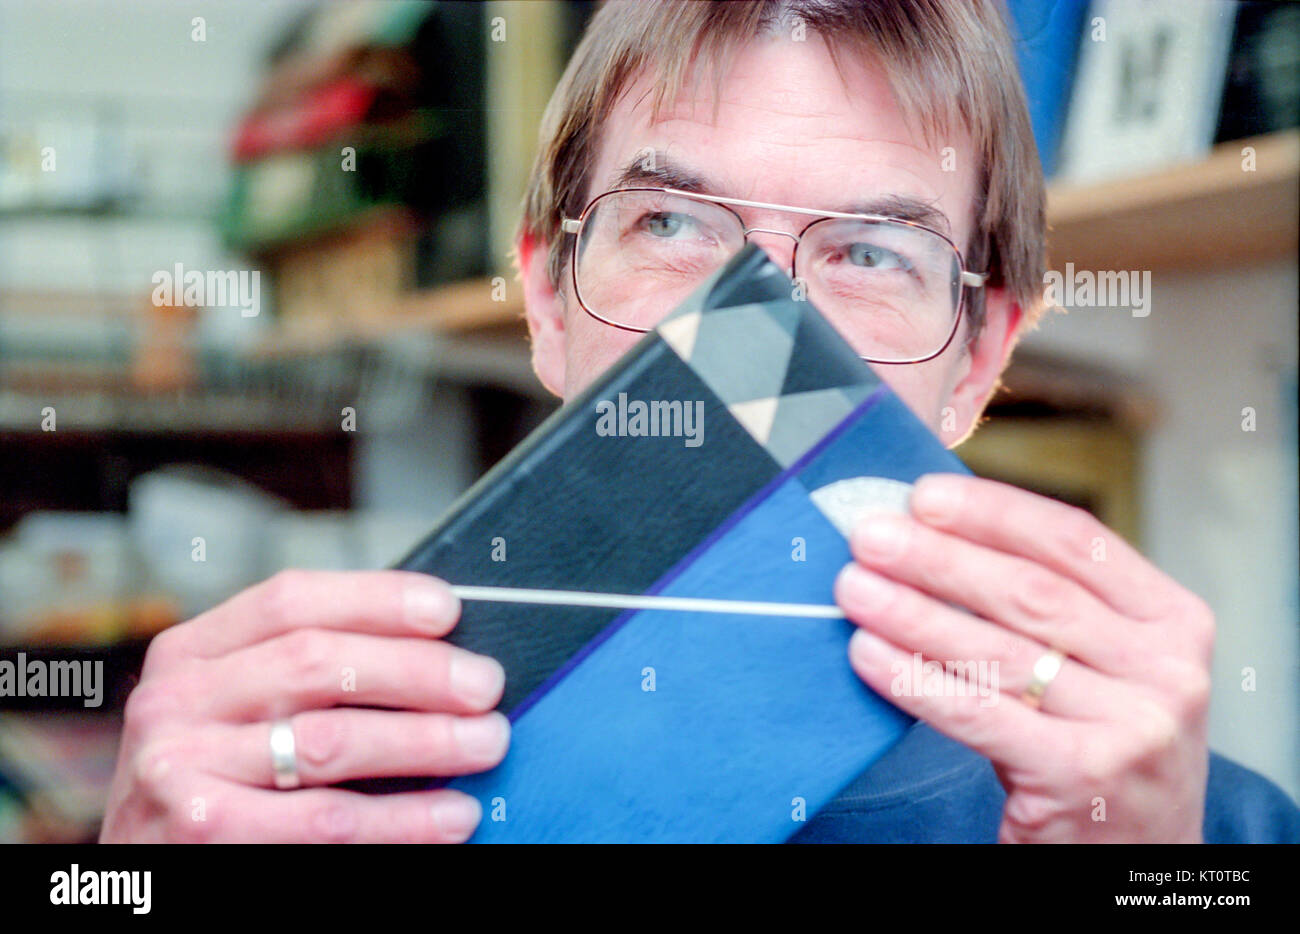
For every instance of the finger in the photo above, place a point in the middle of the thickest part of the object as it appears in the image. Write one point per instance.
(1007, 732)
(313, 668)
(332, 746)
(329, 815)
(1008, 590)
(989, 659)
(391, 603)
(1063, 538)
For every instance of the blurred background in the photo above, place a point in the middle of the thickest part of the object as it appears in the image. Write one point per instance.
(257, 312)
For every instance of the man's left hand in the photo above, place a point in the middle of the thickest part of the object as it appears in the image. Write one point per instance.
(1116, 750)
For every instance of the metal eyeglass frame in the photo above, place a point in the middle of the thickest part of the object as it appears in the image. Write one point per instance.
(968, 279)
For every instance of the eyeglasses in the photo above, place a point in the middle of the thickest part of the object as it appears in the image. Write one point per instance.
(894, 288)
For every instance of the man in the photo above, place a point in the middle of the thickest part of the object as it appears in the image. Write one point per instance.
(910, 111)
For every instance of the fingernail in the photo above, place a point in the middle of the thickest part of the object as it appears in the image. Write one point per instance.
(482, 737)
(863, 590)
(936, 497)
(430, 605)
(882, 537)
(867, 647)
(477, 679)
(457, 816)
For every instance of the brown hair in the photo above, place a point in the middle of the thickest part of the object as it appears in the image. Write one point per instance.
(950, 64)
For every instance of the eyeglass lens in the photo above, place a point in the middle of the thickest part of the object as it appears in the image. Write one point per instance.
(892, 289)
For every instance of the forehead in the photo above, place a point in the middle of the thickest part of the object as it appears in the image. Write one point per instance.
(787, 127)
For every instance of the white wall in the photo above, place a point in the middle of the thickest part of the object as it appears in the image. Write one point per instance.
(1219, 503)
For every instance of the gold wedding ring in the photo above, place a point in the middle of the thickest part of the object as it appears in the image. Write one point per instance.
(284, 759)
(1044, 672)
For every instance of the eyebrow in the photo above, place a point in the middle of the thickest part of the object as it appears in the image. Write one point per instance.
(661, 172)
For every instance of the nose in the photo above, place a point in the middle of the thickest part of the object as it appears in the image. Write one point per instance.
(781, 250)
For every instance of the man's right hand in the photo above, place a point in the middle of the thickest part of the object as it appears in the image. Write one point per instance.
(314, 647)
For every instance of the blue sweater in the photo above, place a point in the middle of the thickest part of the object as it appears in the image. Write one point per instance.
(931, 789)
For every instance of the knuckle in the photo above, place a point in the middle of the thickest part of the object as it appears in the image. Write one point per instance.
(306, 656)
(165, 649)
(281, 595)
(1033, 812)
(971, 720)
(1019, 657)
(154, 767)
(1131, 656)
(442, 736)
(1193, 693)
(1039, 595)
(1095, 762)
(1074, 531)
(1158, 732)
(427, 664)
(148, 705)
(320, 738)
(1200, 620)
(1142, 748)
(334, 822)
(1185, 685)
(1197, 609)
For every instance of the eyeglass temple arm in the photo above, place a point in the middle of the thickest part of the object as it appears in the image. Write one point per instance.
(972, 280)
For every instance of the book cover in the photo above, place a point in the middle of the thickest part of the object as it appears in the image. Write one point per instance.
(667, 725)
(1047, 44)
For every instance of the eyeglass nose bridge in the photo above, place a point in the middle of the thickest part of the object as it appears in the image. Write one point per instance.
(769, 230)
(780, 233)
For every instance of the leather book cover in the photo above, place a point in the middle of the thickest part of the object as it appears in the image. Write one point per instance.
(724, 456)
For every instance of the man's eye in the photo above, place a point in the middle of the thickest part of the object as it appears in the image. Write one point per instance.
(667, 224)
(870, 256)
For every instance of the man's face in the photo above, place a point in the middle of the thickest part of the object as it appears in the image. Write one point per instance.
(789, 129)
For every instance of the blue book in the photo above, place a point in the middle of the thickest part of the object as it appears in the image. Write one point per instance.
(1047, 35)
(664, 725)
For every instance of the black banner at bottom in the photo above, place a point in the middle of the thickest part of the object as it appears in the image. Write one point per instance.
(327, 885)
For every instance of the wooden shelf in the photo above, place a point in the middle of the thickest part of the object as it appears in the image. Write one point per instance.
(199, 412)
(1207, 214)
(458, 308)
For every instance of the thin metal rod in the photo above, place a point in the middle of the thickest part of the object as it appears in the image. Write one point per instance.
(627, 601)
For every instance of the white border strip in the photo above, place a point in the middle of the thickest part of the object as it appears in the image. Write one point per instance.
(627, 601)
